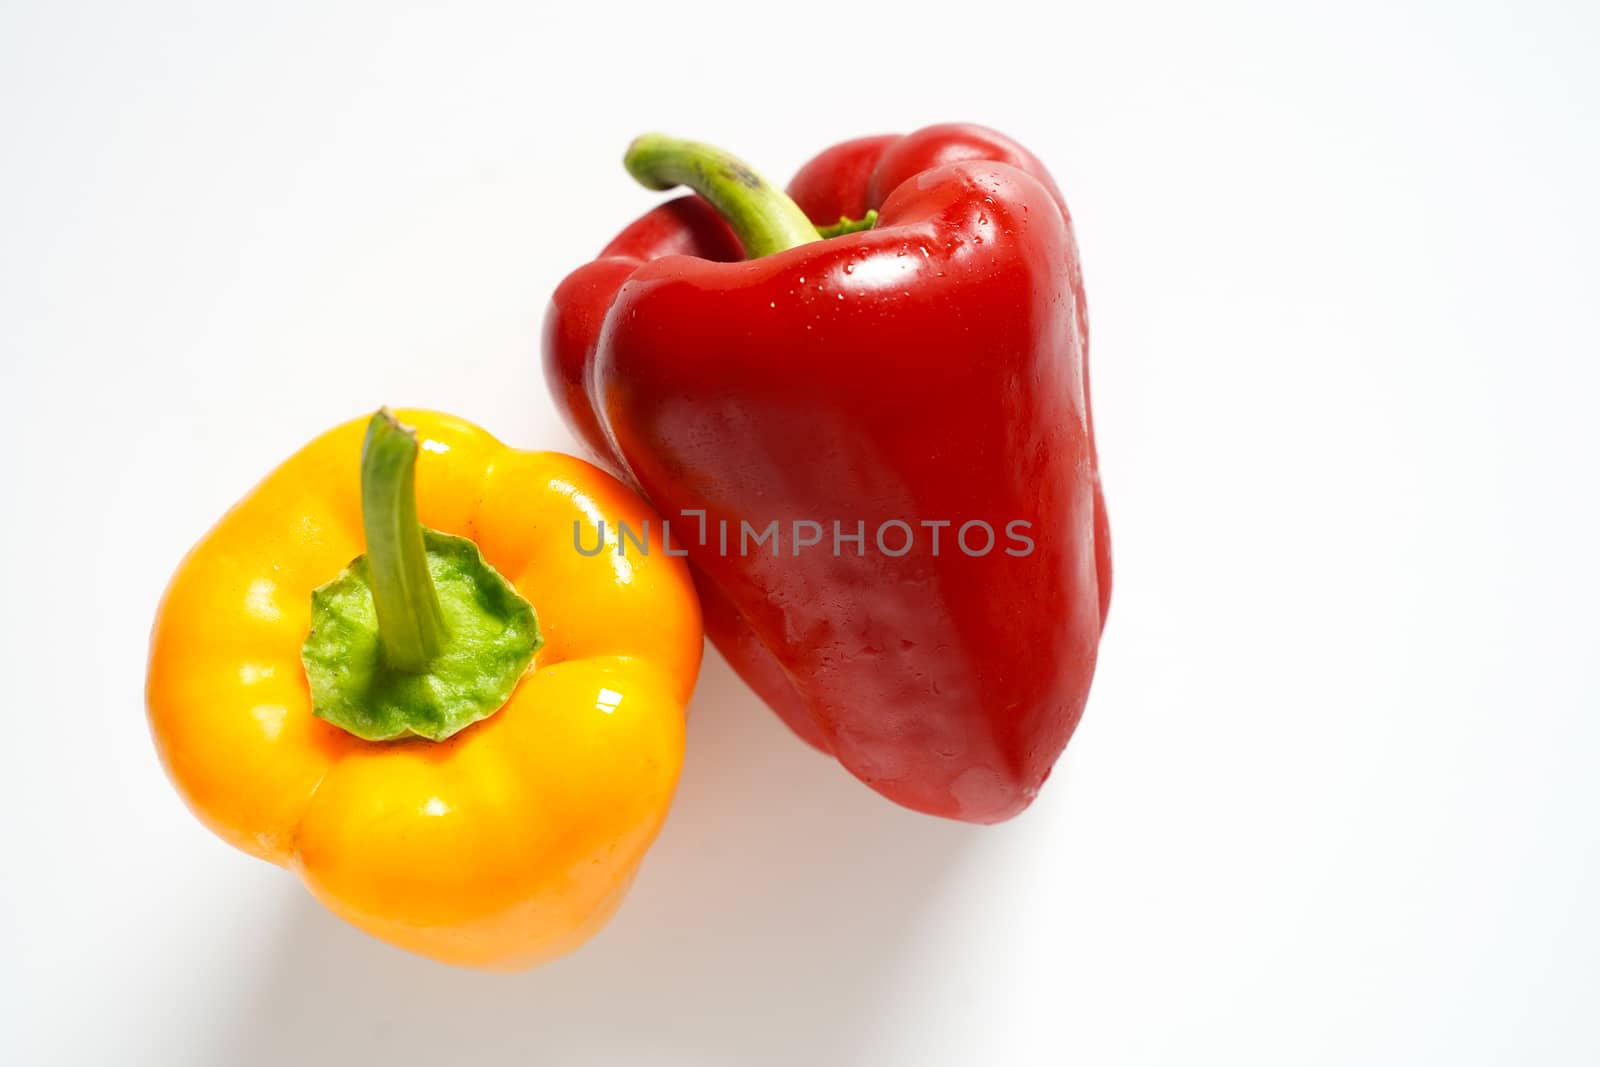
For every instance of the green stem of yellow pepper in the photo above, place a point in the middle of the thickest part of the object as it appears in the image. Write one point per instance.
(411, 625)
(419, 636)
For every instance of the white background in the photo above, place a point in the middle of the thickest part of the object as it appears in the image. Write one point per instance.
(1335, 798)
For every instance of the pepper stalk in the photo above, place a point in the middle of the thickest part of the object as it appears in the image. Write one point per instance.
(760, 214)
(419, 636)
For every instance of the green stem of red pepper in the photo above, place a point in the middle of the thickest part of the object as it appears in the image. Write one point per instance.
(763, 217)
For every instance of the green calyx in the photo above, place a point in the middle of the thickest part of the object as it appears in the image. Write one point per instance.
(847, 225)
(761, 214)
(420, 636)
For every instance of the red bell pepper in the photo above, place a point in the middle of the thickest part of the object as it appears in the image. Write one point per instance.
(908, 379)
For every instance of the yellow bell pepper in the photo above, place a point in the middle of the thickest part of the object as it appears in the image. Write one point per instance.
(382, 728)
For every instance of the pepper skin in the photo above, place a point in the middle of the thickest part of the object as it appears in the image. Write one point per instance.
(513, 840)
(929, 369)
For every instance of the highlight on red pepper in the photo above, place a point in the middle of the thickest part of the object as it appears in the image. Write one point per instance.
(879, 384)
(463, 741)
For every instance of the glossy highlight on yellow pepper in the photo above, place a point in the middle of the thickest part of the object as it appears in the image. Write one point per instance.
(509, 842)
